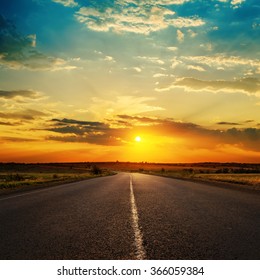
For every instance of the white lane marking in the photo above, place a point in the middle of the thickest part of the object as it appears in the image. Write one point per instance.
(140, 251)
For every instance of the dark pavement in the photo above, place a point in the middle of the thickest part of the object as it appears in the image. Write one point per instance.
(93, 219)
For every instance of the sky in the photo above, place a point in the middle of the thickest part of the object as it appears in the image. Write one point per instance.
(81, 79)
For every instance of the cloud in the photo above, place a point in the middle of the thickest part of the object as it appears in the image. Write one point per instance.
(77, 122)
(236, 3)
(175, 62)
(18, 139)
(66, 3)
(247, 85)
(180, 36)
(134, 17)
(247, 138)
(154, 2)
(192, 33)
(207, 46)
(223, 61)
(103, 140)
(116, 131)
(7, 123)
(25, 115)
(138, 120)
(250, 86)
(202, 63)
(109, 58)
(247, 135)
(124, 18)
(126, 104)
(186, 22)
(163, 124)
(152, 59)
(159, 75)
(170, 2)
(13, 94)
(111, 133)
(228, 123)
(104, 57)
(19, 52)
(84, 132)
(172, 48)
(133, 69)
(32, 37)
(196, 67)
(34, 61)
(137, 69)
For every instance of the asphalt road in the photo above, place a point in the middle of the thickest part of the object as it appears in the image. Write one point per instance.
(130, 216)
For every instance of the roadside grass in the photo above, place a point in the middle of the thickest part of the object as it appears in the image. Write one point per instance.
(12, 182)
(20, 176)
(245, 181)
(178, 174)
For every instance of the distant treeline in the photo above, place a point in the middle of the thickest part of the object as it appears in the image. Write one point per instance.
(238, 170)
(201, 167)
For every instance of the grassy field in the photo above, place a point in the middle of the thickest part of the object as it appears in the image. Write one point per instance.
(243, 179)
(16, 177)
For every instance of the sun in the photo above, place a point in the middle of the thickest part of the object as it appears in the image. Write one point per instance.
(138, 139)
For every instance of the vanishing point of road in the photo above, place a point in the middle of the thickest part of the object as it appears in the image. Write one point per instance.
(130, 216)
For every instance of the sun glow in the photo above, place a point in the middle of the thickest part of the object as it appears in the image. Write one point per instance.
(138, 139)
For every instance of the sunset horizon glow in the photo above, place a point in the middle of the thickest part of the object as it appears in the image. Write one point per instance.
(143, 81)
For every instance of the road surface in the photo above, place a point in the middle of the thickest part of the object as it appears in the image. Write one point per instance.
(130, 216)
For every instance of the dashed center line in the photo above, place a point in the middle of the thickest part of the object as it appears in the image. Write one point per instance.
(140, 251)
